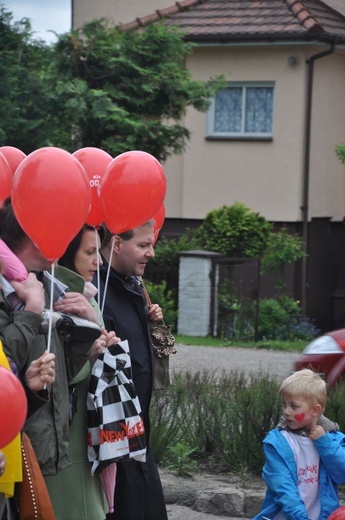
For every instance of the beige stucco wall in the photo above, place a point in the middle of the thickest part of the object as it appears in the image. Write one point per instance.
(266, 176)
(119, 11)
(327, 189)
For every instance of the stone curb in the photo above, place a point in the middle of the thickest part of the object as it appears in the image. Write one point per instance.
(215, 495)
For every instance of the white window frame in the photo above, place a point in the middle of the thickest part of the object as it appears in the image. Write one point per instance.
(210, 119)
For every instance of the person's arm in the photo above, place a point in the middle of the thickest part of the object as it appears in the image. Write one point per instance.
(283, 484)
(2, 462)
(18, 331)
(76, 303)
(155, 313)
(31, 293)
(331, 448)
(39, 375)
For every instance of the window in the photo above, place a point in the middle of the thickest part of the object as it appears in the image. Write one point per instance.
(242, 111)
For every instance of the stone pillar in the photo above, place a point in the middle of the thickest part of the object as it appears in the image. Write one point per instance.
(194, 293)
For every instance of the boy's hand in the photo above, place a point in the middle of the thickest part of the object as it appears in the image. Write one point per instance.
(316, 432)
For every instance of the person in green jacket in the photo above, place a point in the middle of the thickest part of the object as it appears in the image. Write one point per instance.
(87, 500)
(48, 428)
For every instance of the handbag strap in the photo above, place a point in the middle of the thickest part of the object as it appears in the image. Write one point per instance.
(145, 293)
(147, 297)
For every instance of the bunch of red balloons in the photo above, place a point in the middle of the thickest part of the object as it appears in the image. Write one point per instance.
(54, 193)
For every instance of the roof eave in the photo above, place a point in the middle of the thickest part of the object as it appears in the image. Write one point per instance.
(269, 38)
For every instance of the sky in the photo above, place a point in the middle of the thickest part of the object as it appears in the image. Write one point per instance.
(45, 15)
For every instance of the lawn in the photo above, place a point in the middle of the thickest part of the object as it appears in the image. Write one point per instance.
(291, 346)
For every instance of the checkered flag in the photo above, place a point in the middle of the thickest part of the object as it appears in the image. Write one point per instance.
(115, 426)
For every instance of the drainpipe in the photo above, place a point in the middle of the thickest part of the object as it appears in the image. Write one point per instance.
(306, 175)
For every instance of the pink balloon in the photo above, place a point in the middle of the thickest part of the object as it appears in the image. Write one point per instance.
(51, 199)
(95, 162)
(132, 190)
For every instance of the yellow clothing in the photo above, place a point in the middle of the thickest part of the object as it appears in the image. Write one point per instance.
(12, 451)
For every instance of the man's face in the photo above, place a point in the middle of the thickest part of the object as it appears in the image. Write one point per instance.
(132, 255)
(32, 257)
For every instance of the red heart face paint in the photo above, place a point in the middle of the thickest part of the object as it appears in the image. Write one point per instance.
(299, 417)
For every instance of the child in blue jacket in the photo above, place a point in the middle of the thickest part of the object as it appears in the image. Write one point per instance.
(304, 455)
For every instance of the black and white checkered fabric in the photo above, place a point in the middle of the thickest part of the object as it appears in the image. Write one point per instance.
(115, 426)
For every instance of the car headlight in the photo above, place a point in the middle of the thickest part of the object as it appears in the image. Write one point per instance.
(323, 345)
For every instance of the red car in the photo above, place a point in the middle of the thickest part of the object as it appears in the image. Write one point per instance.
(325, 355)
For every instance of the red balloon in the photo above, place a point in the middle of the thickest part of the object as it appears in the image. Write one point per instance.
(14, 157)
(5, 179)
(338, 514)
(13, 406)
(159, 221)
(51, 199)
(132, 190)
(95, 162)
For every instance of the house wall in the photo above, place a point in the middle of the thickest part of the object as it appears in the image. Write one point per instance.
(327, 179)
(266, 176)
(119, 11)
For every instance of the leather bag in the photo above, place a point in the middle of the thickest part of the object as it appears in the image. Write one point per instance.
(163, 343)
(33, 498)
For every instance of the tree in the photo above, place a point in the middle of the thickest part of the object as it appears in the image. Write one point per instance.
(24, 106)
(99, 87)
(127, 90)
(340, 151)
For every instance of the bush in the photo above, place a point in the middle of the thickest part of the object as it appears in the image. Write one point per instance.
(234, 231)
(281, 318)
(167, 251)
(221, 422)
(165, 299)
(282, 248)
(236, 317)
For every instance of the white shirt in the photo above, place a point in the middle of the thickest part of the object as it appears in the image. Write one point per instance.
(307, 461)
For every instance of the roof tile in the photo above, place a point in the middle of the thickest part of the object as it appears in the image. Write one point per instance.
(228, 20)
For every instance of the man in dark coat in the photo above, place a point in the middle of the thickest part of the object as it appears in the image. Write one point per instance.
(138, 491)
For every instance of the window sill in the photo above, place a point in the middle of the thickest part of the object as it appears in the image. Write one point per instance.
(239, 138)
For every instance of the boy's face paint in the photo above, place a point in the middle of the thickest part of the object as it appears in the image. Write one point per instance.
(299, 417)
(298, 413)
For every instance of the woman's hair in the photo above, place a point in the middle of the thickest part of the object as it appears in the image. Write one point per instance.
(68, 258)
(10, 230)
(306, 384)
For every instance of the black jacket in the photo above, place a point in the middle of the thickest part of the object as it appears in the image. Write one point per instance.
(138, 490)
(125, 312)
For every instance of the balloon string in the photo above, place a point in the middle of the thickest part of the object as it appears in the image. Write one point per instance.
(108, 271)
(50, 323)
(51, 307)
(99, 315)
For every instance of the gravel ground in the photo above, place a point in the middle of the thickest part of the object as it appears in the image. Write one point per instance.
(217, 359)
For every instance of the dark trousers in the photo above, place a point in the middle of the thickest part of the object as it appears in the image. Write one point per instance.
(138, 491)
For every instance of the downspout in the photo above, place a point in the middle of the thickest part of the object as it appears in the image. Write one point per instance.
(72, 15)
(306, 175)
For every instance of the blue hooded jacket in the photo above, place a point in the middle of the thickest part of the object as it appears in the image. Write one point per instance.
(280, 476)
